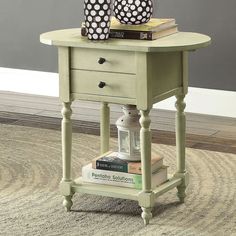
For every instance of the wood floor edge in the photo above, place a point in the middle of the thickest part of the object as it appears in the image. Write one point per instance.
(158, 136)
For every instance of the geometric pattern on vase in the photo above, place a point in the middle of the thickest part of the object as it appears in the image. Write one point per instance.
(97, 18)
(133, 12)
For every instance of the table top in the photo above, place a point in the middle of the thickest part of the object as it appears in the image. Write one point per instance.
(181, 41)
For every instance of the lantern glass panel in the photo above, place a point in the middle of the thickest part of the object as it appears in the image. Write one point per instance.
(136, 141)
(124, 141)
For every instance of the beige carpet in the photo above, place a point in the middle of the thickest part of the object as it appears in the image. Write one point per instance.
(30, 170)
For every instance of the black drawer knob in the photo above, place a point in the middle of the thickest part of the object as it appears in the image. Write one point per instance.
(101, 84)
(101, 60)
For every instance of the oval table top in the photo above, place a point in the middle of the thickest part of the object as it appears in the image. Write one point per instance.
(181, 41)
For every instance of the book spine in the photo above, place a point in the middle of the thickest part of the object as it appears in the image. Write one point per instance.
(121, 179)
(111, 178)
(122, 34)
(142, 35)
(104, 165)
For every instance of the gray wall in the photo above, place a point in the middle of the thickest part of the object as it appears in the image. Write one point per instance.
(21, 22)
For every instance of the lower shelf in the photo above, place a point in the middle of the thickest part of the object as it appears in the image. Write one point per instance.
(105, 190)
(121, 192)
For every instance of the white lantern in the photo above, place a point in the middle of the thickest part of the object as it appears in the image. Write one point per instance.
(128, 134)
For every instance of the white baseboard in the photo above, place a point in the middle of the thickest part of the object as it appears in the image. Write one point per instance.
(28, 81)
(199, 100)
(205, 101)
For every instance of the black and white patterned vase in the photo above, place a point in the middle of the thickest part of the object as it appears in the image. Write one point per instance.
(133, 12)
(97, 18)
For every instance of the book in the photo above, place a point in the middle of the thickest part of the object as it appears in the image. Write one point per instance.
(153, 24)
(115, 178)
(110, 161)
(142, 35)
(154, 29)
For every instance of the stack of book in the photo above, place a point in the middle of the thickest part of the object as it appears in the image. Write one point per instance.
(108, 169)
(154, 29)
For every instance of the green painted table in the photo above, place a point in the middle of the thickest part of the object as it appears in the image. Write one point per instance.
(132, 72)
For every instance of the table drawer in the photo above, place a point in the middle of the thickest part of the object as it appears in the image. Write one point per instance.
(115, 61)
(116, 85)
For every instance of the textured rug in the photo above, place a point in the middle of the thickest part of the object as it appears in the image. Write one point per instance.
(30, 204)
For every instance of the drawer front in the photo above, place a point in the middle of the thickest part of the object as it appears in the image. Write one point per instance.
(116, 85)
(115, 61)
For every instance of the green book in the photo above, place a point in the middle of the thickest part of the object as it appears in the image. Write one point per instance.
(114, 178)
(111, 161)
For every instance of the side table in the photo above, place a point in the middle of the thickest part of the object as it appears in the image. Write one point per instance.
(132, 72)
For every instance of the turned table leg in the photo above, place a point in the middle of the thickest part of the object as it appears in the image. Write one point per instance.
(180, 146)
(146, 195)
(66, 129)
(105, 127)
